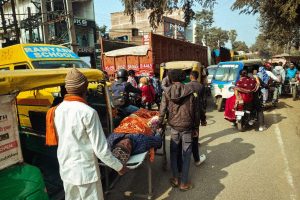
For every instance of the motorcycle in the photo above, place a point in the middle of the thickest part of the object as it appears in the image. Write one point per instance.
(244, 116)
(291, 87)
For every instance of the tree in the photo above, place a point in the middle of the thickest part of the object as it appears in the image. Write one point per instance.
(240, 46)
(279, 19)
(204, 21)
(217, 37)
(232, 34)
(102, 30)
(160, 7)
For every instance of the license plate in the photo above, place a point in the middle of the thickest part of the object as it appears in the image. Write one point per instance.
(239, 113)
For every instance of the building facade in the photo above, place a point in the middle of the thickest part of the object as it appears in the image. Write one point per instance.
(50, 21)
(121, 27)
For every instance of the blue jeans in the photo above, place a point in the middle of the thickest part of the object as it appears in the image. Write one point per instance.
(181, 141)
(129, 109)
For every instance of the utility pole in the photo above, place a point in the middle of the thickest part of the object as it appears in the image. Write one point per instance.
(17, 30)
(71, 27)
(3, 20)
(30, 25)
(45, 27)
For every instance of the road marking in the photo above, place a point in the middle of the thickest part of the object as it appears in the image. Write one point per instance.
(287, 171)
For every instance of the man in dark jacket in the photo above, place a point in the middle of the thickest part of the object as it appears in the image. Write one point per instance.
(180, 103)
(121, 89)
(198, 88)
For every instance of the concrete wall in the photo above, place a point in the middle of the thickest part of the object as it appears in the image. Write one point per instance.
(121, 24)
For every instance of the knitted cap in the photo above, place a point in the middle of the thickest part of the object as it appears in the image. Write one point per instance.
(76, 82)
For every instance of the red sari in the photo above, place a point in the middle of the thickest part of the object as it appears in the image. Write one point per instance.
(245, 87)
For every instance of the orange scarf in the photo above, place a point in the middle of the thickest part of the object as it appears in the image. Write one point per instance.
(51, 134)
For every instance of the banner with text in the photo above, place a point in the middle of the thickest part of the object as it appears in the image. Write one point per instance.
(10, 151)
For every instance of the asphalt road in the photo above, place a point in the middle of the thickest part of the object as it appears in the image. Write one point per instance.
(247, 165)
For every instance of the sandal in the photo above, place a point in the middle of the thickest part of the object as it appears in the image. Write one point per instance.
(187, 188)
(174, 182)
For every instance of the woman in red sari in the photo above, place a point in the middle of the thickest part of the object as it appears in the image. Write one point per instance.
(243, 94)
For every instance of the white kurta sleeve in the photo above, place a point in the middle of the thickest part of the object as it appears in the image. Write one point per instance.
(99, 143)
(272, 76)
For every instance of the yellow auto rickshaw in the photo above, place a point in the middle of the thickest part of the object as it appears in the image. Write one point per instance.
(37, 156)
(187, 66)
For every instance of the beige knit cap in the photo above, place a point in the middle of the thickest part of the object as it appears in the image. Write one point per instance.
(76, 82)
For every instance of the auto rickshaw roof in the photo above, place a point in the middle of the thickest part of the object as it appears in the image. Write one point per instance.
(180, 64)
(23, 80)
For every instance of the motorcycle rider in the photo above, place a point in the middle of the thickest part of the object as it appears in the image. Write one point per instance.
(121, 89)
(265, 74)
(280, 74)
(291, 72)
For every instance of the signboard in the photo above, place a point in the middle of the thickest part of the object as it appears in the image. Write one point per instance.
(10, 150)
(146, 39)
(35, 52)
(80, 22)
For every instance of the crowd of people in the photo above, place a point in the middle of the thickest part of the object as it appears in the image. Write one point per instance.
(75, 127)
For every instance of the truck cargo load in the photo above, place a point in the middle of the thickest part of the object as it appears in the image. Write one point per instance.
(146, 59)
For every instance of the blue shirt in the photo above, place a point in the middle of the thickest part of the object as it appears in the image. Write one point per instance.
(291, 73)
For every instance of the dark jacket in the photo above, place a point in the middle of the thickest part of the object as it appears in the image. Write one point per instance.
(198, 88)
(127, 89)
(180, 103)
(165, 83)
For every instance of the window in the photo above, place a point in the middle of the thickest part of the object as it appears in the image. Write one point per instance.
(4, 68)
(226, 73)
(24, 66)
(54, 64)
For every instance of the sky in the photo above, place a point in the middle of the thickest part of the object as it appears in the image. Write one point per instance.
(224, 17)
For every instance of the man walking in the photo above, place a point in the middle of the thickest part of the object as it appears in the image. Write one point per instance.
(198, 88)
(81, 141)
(179, 101)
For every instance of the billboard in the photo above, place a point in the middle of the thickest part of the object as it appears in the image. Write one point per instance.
(10, 149)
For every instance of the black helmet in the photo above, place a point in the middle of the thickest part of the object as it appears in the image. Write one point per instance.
(122, 73)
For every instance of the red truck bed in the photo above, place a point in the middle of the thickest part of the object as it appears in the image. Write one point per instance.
(146, 59)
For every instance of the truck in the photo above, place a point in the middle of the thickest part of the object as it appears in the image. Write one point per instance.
(146, 59)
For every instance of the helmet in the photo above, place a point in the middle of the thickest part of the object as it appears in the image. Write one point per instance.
(122, 73)
(268, 65)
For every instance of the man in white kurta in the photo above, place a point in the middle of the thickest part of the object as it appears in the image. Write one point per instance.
(81, 143)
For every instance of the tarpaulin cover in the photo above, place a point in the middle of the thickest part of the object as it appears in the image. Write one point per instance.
(135, 51)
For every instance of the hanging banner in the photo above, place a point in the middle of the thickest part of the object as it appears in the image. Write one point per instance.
(10, 149)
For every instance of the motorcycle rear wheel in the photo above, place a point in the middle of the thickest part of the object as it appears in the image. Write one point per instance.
(240, 126)
(294, 93)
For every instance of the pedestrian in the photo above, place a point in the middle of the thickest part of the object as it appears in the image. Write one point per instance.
(81, 141)
(199, 89)
(132, 78)
(179, 101)
(148, 93)
(165, 81)
(157, 88)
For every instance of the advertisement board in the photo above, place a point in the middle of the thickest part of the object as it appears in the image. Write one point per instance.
(35, 52)
(10, 149)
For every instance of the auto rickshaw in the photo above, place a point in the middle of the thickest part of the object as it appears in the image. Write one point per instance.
(41, 164)
(187, 66)
(226, 76)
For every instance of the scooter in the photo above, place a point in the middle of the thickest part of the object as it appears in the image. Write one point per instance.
(244, 115)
